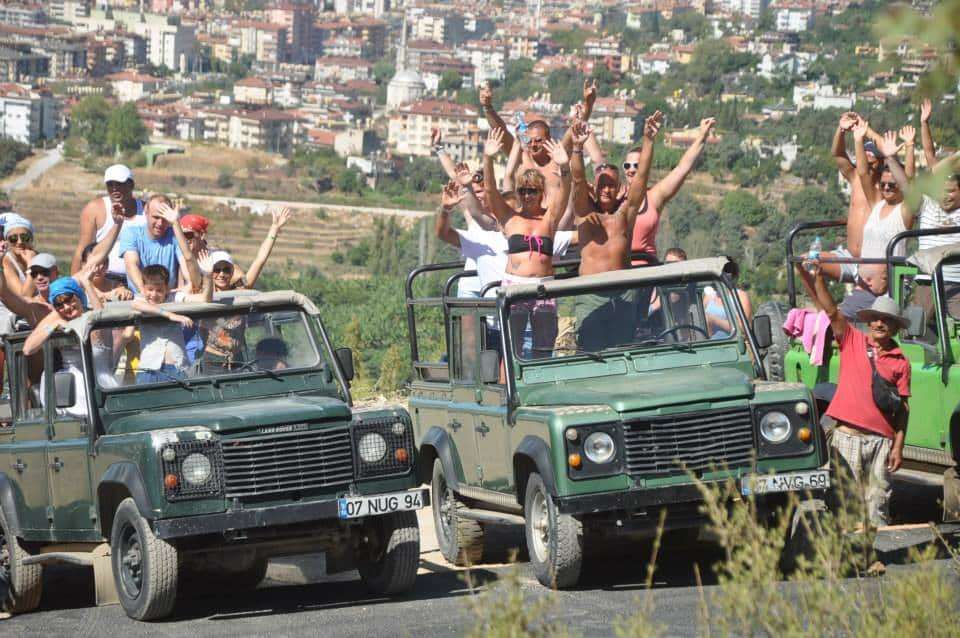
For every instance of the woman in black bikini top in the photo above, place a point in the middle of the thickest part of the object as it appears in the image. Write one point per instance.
(530, 229)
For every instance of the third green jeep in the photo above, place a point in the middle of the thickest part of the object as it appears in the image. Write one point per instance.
(584, 406)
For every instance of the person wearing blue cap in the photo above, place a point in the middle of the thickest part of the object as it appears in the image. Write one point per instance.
(69, 297)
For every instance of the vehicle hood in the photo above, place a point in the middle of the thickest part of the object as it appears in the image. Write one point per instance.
(646, 390)
(228, 416)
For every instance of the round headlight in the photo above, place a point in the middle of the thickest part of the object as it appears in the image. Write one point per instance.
(196, 469)
(372, 447)
(775, 427)
(168, 454)
(599, 448)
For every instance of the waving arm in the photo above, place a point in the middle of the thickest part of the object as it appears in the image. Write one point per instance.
(667, 188)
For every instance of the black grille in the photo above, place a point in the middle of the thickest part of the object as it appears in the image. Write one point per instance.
(689, 442)
(389, 464)
(183, 490)
(281, 463)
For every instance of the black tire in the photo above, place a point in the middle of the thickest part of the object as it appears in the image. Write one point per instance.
(805, 528)
(20, 585)
(460, 539)
(554, 540)
(144, 566)
(391, 568)
(776, 355)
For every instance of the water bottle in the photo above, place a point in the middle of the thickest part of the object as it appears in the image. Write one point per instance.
(520, 125)
(814, 252)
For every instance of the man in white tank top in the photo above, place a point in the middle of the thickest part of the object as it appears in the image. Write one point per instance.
(96, 219)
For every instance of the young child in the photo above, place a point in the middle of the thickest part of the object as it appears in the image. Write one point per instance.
(162, 347)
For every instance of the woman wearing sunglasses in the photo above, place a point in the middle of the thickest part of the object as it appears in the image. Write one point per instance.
(18, 233)
(69, 297)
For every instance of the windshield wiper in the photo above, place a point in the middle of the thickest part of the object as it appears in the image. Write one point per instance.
(181, 382)
(593, 356)
(252, 367)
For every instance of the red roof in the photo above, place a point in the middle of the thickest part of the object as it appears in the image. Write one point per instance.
(321, 136)
(337, 60)
(253, 82)
(132, 76)
(439, 108)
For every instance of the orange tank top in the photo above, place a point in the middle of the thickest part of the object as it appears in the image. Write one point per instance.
(645, 232)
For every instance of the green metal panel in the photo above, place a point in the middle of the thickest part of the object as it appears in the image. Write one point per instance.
(68, 464)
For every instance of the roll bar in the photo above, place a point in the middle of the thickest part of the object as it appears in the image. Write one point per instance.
(890, 260)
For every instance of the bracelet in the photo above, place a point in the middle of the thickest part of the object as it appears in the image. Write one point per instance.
(578, 151)
(565, 170)
(438, 149)
(273, 237)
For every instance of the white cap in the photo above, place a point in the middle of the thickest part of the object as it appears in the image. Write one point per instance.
(220, 255)
(43, 260)
(117, 173)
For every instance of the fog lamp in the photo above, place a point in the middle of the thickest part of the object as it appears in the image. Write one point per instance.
(804, 434)
(574, 460)
(170, 481)
(401, 455)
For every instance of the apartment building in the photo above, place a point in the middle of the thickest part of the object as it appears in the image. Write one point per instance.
(28, 115)
(130, 86)
(411, 124)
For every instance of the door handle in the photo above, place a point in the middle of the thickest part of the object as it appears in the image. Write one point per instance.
(482, 429)
(57, 464)
(455, 425)
(19, 466)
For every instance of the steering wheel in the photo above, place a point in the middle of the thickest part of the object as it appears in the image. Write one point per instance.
(681, 326)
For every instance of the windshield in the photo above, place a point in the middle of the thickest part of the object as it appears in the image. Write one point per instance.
(155, 350)
(648, 316)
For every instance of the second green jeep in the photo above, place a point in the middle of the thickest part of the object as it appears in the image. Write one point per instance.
(597, 405)
(197, 475)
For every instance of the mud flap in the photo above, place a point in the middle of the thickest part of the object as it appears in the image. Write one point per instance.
(105, 587)
(951, 496)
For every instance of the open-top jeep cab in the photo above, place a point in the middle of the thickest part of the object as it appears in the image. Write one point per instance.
(927, 286)
(245, 449)
(596, 406)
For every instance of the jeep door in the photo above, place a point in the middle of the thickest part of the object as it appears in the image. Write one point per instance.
(68, 461)
(493, 433)
(26, 461)
(464, 381)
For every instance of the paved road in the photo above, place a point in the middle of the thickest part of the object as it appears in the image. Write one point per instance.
(297, 601)
(50, 159)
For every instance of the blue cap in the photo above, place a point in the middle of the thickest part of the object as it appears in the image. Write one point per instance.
(13, 220)
(67, 286)
(870, 147)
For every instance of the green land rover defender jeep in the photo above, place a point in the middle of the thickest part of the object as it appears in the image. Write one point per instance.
(199, 472)
(927, 286)
(582, 407)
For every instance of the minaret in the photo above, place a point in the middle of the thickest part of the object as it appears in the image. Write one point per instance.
(402, 50)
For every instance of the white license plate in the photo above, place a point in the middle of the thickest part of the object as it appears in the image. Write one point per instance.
(360, 506)
(793, 482)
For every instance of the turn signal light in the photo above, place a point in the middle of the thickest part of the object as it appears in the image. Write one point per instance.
(804, 434)
(575, 461)
(170, 481)
(401, 455)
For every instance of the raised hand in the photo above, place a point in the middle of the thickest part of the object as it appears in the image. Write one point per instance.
(556, 152)
(652, 125)
(908, 134)
(281, 215)
(486, 95)
(436, 137)
(451, 195)
(581, 133)
(860, 129)
(589, 91)
(494, 143)
(706, 125)
(848, 120)
(926, 110)
(204, 260)
(170, 214)
(464, 175)
(888, 144)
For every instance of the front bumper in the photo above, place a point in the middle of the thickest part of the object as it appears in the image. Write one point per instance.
(275, 516)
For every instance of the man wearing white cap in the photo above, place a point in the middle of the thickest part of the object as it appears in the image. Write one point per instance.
(100, 215)
(42, 271)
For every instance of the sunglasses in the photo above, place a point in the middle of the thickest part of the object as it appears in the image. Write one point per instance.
(188, 235)
(36, 271)
(217, 270)
(478, 177)
(888, 186)
(528, 192)
(20, 238)
(64, 300)
(628, 165)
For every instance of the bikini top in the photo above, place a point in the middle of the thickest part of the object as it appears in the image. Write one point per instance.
(530, 243)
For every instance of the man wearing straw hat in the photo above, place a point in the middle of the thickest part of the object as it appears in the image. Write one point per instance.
(871, 401)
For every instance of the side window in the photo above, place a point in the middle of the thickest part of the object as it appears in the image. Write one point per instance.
(463, 330)
(66, 360)
(490, 338)
(25, 376)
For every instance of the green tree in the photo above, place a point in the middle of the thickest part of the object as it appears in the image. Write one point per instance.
(125, 130)
(350, 181)
(394, 370)
(89, 120)
(744, 207)
(812, 204)
(450, 81)
(11, 152)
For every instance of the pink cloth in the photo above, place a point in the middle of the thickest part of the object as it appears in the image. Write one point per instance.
(811, 327)
(645, 230)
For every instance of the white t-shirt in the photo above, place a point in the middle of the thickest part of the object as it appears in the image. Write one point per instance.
(932, 215)
(158, 340)
(115, 264)
(878, 232)
(486, 252)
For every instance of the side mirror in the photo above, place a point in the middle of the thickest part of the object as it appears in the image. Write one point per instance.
(345, 359)
(65, 387)
(917, 322)
(762, 331)
(489, 366)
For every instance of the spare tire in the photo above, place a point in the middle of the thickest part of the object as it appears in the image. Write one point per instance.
(776, 354)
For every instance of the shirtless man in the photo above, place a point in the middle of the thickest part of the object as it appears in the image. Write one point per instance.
(859, 210)
(96, 220)
(605, 231)
(535, 152)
